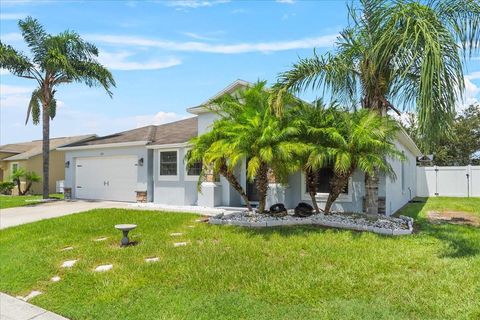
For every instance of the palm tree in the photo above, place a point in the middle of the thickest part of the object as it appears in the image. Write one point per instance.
(55, 60)
(214, 160)
(396, 54)
(365, 140)
(247, 129)
(29, 176)
(317, 129)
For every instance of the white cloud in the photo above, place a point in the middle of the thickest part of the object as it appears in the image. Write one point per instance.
(14, 97)
(11, 37)
(75, 121)
(238, 11)
(193, 46)
(8, 90)
(286, 1)
(159, 118)
(194, 3)
(198, 36)
(473, 76)
(12, 16)
(471, 92)
(4, 72)
(119, 61)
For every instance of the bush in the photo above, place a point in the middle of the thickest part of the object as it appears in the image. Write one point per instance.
(6, 187)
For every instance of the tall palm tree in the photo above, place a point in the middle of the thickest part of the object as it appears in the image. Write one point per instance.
(247, 129)
(55, 60)
(396, 55)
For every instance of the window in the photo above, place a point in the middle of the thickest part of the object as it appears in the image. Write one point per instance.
(323, 181)
(168, 163)
(14, 167)
(195, 169)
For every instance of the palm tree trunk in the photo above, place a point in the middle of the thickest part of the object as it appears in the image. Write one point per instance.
(19, 183)
(311, 177)
(232, 180)
(337, 185)
(262, 186)
(45, 149)
(372, 181)
(27, 188)
(371, 193)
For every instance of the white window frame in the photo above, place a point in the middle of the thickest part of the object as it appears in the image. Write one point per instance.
(322, 197)
(11, 166)
(171, 177)
(186, 176)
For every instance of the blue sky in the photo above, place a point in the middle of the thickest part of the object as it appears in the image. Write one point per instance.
(167, 56)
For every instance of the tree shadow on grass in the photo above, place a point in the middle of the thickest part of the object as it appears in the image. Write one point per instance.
(461, 241)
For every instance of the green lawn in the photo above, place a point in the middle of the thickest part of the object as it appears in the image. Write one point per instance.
(18, 201)
(236, 273)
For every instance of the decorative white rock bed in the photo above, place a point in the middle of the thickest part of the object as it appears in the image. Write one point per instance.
(353, 221)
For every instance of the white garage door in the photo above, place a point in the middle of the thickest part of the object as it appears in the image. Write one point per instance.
(106, 178)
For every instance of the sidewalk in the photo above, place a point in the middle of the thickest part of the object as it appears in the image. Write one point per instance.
(20, 215)
(15, 309)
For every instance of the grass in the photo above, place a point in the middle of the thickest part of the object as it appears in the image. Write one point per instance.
(235, 273)
(19, 201)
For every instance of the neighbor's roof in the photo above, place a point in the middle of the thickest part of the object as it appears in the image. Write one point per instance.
(26, 150)
(169, 133)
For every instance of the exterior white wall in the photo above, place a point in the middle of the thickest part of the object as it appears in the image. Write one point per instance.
(399, 192)
(205, 120)
(353, 202)
(175, 191)
(140, 152)
(456, 181)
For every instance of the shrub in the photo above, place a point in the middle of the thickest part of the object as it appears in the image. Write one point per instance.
(6, 187)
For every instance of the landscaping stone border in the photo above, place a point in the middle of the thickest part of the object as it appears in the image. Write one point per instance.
(402, 225)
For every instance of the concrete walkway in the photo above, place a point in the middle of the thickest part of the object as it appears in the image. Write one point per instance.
(15, 309)
(20, 215)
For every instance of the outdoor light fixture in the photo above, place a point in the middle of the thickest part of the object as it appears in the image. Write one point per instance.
(140, 162)
(67, 164)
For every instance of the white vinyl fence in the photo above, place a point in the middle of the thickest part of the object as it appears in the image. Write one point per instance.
(448, 181)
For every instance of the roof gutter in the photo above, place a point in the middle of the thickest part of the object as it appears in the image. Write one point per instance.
(106, 145)
(407, 141)
(168, 146)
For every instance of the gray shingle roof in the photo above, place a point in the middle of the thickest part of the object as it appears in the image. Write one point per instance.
(174, 132)
(26, 150)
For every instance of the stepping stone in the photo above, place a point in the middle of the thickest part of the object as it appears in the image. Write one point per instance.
(68, 263)
(32, 295)
(101, 239)
(179, 244)
(154, 259)
(176, 234)
(67, 249)
(104, 267)
(55, 279)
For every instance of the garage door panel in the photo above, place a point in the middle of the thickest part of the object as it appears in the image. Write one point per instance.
(106, 178)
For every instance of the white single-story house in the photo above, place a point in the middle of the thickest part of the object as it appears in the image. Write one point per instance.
(147, 164)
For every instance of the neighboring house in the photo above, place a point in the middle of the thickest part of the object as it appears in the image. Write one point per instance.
(28, 155)
(148, 164)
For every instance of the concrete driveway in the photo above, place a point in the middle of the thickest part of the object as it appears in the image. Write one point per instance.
(20, 215)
